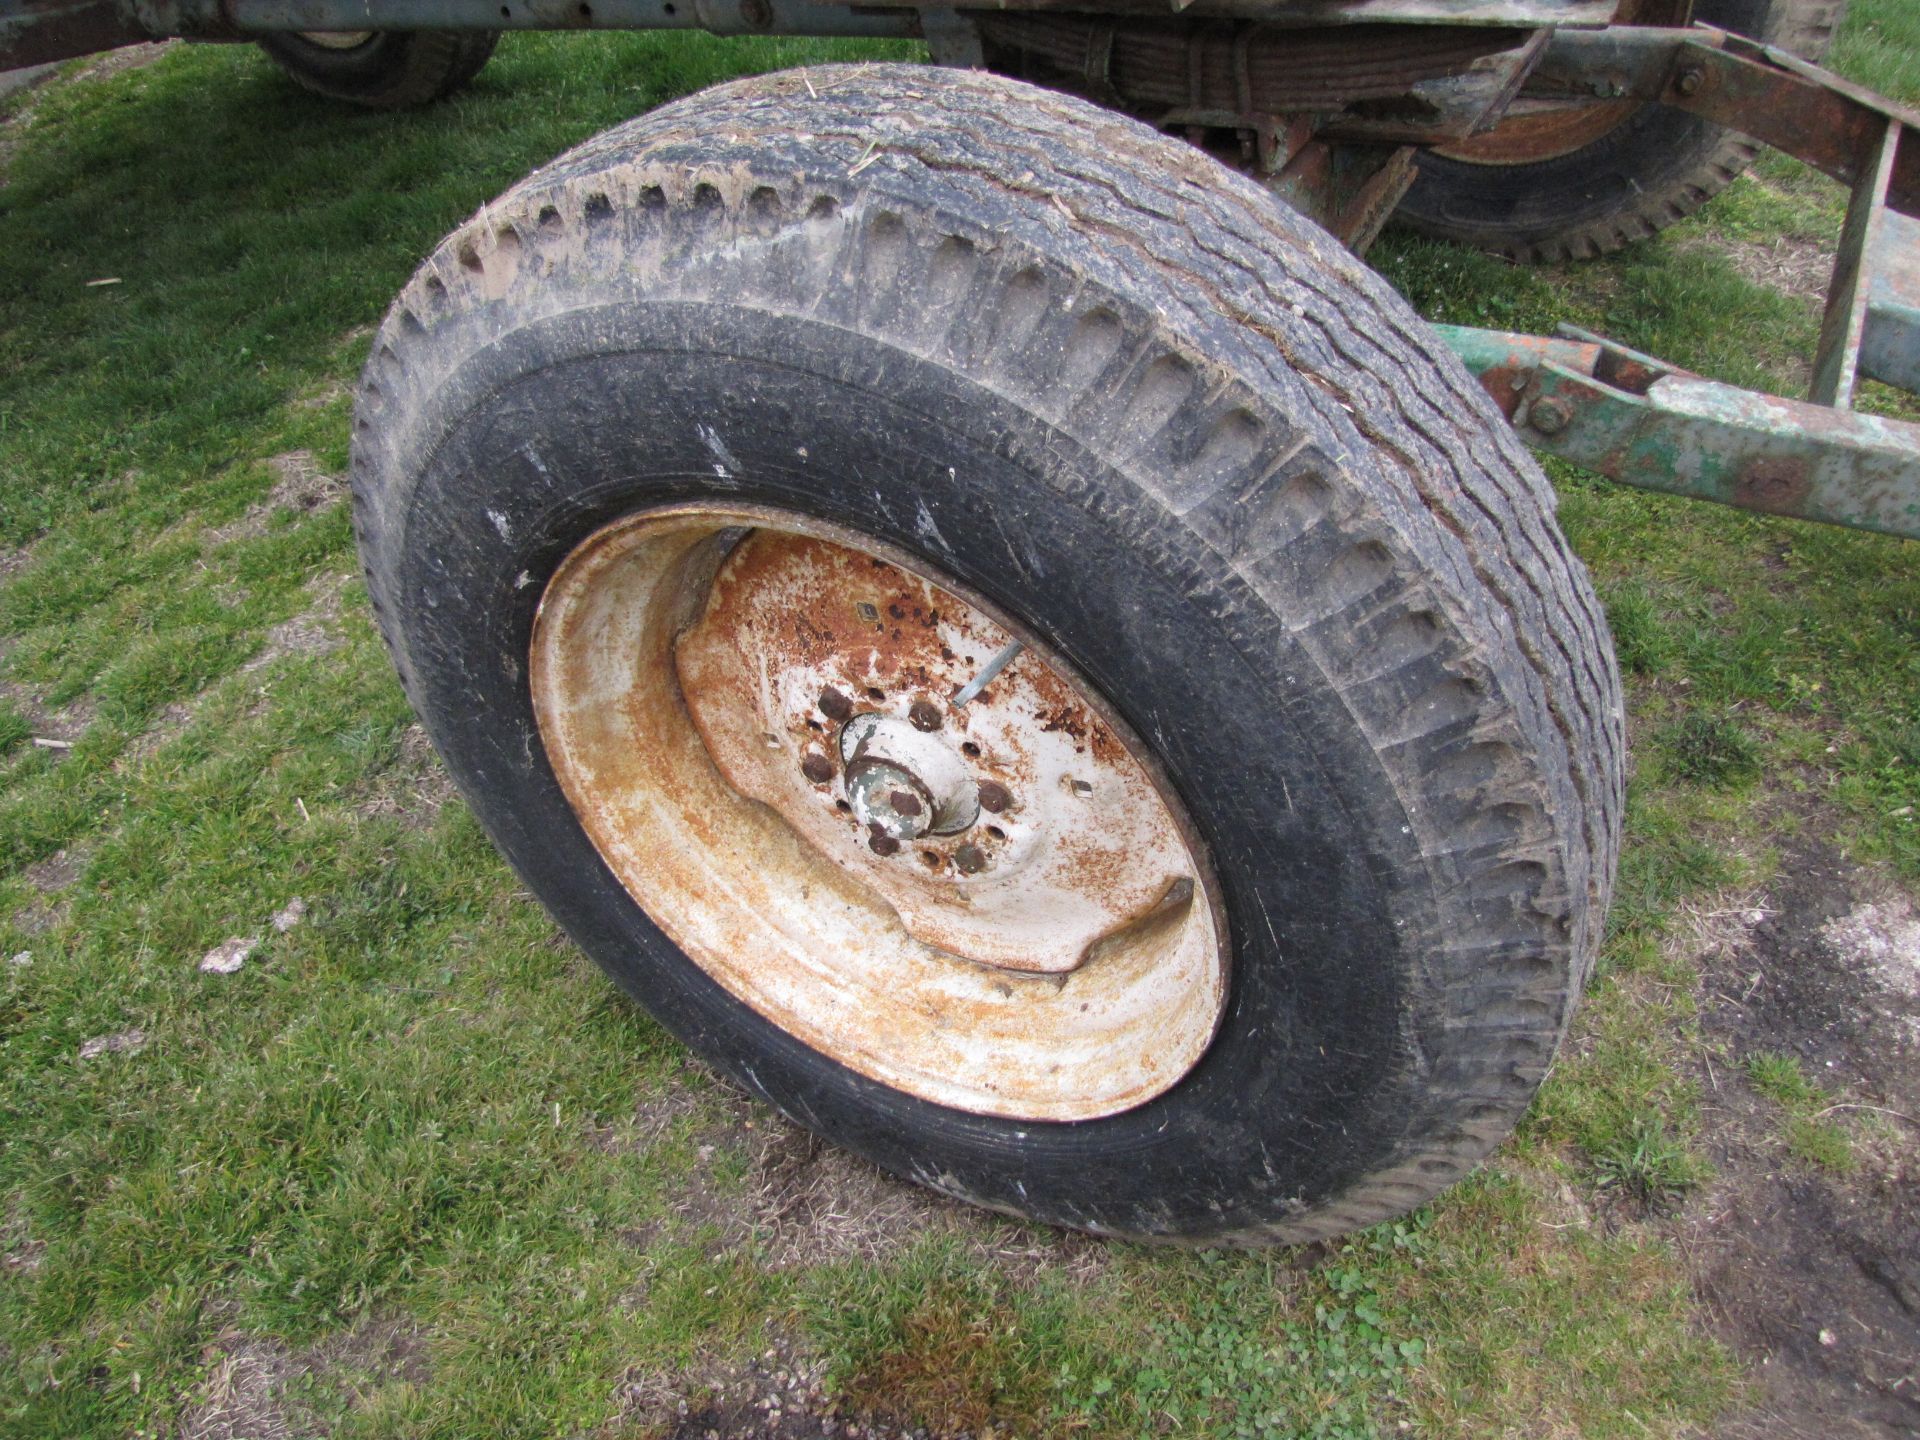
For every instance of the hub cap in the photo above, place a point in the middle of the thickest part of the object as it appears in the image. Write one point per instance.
(877, 815)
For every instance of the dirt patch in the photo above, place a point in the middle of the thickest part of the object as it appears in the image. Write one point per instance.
(378, 1351)
(57, 871)
(48, 880)
(300, 487)
(314, 631)
(63, 726)
(127, 57)
(169, 724)
(242, 1396)
(778, 1394)
(1789, 265)
(20, 1253)
(121, 1042)
(413, 789)
(805, 1202)
(759, 1182)
(328, 394)
(1813, 1276)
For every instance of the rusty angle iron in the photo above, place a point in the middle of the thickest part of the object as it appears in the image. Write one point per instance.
(1334, 125)
(1641, 422)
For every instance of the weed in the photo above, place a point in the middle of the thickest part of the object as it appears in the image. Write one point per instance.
(1818, 1143)
(14, 729)
(1781, 1080)
(1809, 1136)
(1648, 1163)
(1708, 749)
(1642, 639)
(1329, 1370)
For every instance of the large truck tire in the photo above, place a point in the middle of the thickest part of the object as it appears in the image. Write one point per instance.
(382, 69)
(1017, 649)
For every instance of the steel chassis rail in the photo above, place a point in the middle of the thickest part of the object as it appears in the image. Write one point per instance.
(1625, 415)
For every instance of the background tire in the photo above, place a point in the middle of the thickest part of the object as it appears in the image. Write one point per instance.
(1654, 166)
(1164, 423)
(385, 70)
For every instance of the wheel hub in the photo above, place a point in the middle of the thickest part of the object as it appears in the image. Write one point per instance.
(904, 783)
(796, 628)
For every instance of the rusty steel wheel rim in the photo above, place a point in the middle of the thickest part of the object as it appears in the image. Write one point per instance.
(1532, 132)
(336, 39)
(878, 813)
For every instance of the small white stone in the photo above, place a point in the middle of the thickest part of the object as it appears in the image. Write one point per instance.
(25, 957)
(290, 915)
(125, 1042)
(228, 956)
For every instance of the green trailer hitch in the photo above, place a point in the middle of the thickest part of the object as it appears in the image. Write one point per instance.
(1642, 422)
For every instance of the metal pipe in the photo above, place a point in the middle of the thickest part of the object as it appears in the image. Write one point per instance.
(720, 17)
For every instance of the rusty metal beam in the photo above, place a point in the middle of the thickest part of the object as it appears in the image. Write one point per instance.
(1642, 423)
(1526, 14)
(1772, 96)
(1890, 347)
(1426, 82)
(1836, 362)
(37, 32)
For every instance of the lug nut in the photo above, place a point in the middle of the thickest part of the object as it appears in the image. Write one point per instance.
(882, 843)
(924, 715)
(993, 796)
(835, 706)
(1549, 416)
(817, 768)
(969, 859)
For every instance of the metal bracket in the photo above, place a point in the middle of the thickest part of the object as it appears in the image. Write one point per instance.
(952, 39)
(1643, 423)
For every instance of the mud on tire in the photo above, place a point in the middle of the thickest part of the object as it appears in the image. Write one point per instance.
(1175, 431)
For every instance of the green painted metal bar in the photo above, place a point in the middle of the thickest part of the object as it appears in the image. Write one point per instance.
(1646, 424)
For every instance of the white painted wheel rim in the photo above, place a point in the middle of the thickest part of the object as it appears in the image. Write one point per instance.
(717, 689)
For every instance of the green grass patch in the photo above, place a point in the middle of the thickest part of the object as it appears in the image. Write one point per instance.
(1808, 1135)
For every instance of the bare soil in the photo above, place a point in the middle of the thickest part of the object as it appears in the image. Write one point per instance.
(777, 1394)
(804, 1202)
(253, 1386)
(1812, 1276)
(413, 788)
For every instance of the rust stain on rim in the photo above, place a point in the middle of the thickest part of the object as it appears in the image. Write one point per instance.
(1529, 137)
(997, 905)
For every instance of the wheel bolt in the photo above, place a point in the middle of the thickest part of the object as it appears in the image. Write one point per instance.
(835, 706)
(817, 768)
(882, 843)
(993, 796)
(1549, 416)
(924, 715)
(969, 859)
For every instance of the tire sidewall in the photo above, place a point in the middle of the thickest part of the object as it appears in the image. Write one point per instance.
(574, 420)
(368, 67)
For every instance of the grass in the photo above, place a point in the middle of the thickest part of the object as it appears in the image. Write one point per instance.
(416, 1160)
(1808, 1135)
